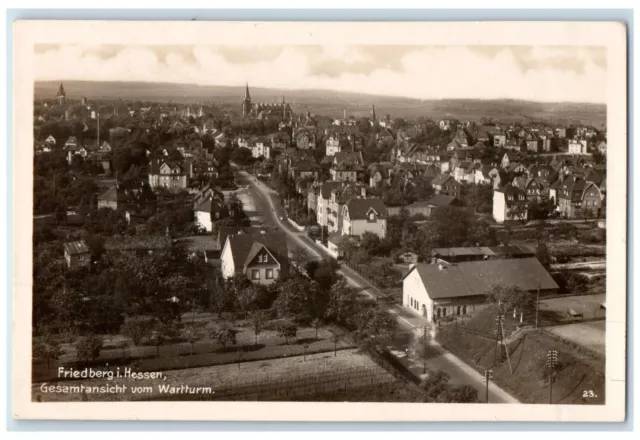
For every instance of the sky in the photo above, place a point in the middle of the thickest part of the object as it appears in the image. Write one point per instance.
(533, 73)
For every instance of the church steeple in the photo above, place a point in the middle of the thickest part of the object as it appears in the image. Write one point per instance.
(61, 95)
(373, 113)
(246, 102)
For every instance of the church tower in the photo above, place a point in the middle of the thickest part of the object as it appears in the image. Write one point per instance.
(373, 113)
(246, 102)
(61, 96)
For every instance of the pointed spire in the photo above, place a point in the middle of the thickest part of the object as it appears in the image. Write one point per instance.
(246, 91)
(373, 112)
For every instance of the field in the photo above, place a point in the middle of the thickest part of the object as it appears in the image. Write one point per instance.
(297, 377)
(205, 352)
(587, 334)
(588, 306)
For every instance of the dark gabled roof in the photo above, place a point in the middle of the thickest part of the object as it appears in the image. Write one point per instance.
(226, 231)
(442, 200)
(76, 247)
(243, 244)
(477, 278)
(359, 208)
(440, 179)
(113, 194)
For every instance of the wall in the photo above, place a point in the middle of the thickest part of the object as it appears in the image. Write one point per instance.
(203, 219)
(262, 269)
(412, 287)
(227, 268)
(498, 207)
(295, 225)
(359, 227)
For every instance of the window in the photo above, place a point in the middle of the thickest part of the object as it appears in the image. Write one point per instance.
(458, 311)
(265, 258)
(444, 311)
(372, 216)
(269, 274)
(464, 310)
(255, 274)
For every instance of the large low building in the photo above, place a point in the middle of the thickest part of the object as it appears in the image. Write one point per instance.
(436, 291)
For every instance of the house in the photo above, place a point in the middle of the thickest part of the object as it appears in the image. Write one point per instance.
(446, 185)
(112, 197)
(347, 167)
(379, 173)
(439, 201)
(602, 147)
(260, 149)
(165, 173)
(578, 146)
(50, 140)
(508, 159)
(364, 215)
(304, 169)
(306, 140)
(435, 291)
(71, 143)
(577, 197)
(77, 254)
(340, 196)
(322, 209)
(279, 140)
(262, 258)
(210, 209)
(509, 203)
(336, 143)
(536, 188)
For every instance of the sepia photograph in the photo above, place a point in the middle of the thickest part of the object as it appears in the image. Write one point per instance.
(279, 216)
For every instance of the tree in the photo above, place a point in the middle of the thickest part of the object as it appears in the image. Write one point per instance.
(458, 394)
(287, 329)
(435, 384)
(224, 336)
(374, 324)
(192, 334)
(421, 348)
(162, 333)
(299, 257)
(508, 298)
(257, 323)
(316, 323)
(88, 348)
(242, 156)
(370, 243)
(48, 349)
(336, 337)
(136, 329)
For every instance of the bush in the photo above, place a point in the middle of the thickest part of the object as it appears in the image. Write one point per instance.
(88, 348)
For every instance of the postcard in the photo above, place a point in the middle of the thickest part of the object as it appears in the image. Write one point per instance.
(300, 221)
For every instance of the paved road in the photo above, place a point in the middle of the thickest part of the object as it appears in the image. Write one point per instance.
(267, 203)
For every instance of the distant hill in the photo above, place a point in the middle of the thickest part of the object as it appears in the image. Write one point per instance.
(332, 103)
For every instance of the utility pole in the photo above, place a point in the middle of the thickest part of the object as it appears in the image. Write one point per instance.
(488, 375)
(424, 355)
(537, 304)
(551, 364)
(506, 349)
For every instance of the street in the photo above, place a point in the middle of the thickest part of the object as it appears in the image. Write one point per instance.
(268, 206)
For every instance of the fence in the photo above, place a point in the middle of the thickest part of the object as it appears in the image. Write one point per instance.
(266, 389)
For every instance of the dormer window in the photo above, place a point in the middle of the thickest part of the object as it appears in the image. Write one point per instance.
(372, 216)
